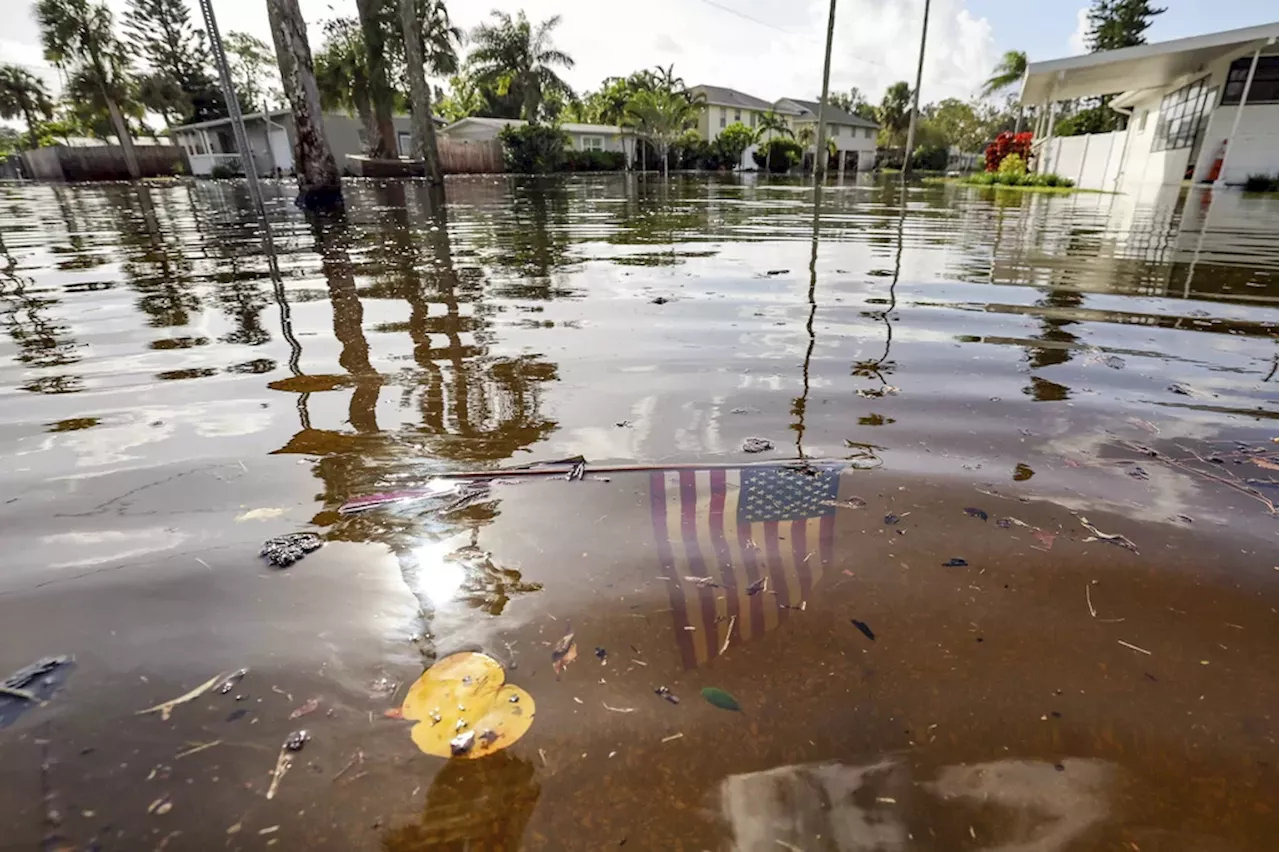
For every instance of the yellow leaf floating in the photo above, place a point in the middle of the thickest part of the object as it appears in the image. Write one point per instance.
(465, 708)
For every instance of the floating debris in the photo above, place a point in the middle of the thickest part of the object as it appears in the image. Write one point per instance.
(955, 562)
(1134, 647)
(284, 550)
(28, 686)
(772, 272)
(702, 582)
(717, 697)
(1045, 538)
(564, 653)
(160, 806)
(1179, 388)
(756, 445)
(660, 300)
(165, 708)
(197, 749)
(623, 424)
(1112, 538)
(1137, 472)
(850, 503)
(231, 681)
(618, 709)
(975, 513)
(466, 693)
(462, 743)
(891, 519)
(728, 634)
(663, 692)
(602, 655)
(297, 740)
(866, 630)
(672, 737)
(308, 706)
(758, 586)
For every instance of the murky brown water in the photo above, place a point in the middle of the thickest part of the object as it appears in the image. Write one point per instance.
(967, 377)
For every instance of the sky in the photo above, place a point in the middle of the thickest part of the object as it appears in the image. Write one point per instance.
(761, 47)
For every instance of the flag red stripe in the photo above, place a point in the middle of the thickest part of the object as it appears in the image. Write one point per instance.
(658, 512)
(697, 565)
(799, 550)
(724, 558)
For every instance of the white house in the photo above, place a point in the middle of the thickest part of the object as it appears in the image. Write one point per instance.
(1202, 108)
(582, 137)
(722, 106)
(855, 137)
(271, 137)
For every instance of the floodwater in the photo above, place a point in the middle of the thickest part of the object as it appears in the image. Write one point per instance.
(1026, 442)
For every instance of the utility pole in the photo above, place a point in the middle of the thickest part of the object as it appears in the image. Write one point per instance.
(820, 144)
(233, 107)
(915, 96)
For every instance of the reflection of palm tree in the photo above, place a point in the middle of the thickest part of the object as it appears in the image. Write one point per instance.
(157, 267)
(41, 341)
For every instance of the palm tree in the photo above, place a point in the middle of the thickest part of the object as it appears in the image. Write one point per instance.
(342, 74)
(79, 37)
(660, 116)
(512, 56)
(894, 112)
(1011, 68)
(23, 95)
(771, 123)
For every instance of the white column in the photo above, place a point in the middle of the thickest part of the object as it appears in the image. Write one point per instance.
(1235, 123)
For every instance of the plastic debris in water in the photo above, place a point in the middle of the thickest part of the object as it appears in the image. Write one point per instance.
(667, 694)
(296, 740)
(462, 743)
(954, 562)
(891, 519)
(231, 681)
(975, 513)
(284, 550)
(756, 445)
(719, 698)
(866, 631)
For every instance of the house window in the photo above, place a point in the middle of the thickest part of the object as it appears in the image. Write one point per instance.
(405, 141)
(722, 119)
(1182, 115)
(593, 143)
(1142, 120)
(870, 133)
(754, 118)
(1263, 90)
(737, 115)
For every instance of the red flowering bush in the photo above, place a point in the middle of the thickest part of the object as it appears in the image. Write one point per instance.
(1005, 144)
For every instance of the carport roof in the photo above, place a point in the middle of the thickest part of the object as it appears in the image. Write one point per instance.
(1143, 67)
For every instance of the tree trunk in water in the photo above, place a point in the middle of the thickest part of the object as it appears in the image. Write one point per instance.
(123, 137)
(312, 158)
(365, 111)
(424, 130)
(383, 145)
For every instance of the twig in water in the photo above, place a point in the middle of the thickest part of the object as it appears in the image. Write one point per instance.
(1134, 647)
(359, 755)
(729, 633)
(619, 709)
(1092, 612)
(672, 737)
(197, 749)
(1113, 538)
(165, 708)
(283, 764)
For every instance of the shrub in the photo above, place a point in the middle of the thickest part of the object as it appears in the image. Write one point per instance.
(930, 157)
(533, 148)
(1012, 164)
(781, 154)
(1262, 183)
(222, 171)
(1005, 144)
(594, 161)
(731, 142)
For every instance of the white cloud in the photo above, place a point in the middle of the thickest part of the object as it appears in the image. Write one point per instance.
(1076, 43)
(777, 54)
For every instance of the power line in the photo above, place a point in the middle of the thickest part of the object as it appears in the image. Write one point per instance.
(777, 28)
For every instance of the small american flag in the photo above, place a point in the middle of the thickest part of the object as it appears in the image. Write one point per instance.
(721, 531)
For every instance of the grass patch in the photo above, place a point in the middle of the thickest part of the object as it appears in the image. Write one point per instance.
(1045, 188)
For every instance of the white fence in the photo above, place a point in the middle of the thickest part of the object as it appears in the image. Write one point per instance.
(1093, 161)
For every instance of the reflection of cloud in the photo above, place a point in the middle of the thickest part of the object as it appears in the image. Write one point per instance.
(111, 545)
(1051, 807)
(786, 807)
(1024, 805)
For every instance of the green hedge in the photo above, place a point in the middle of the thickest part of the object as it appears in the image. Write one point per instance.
(1009, 178)
(594, 161)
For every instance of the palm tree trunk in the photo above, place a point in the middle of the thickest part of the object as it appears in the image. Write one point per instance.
(31, 125)
(424, 131)
(122, 135)
(382, 145)
(313, 159)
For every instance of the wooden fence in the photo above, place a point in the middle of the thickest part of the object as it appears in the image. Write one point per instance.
(478, 157)
(102, 162)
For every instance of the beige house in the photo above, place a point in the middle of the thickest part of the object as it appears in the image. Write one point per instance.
(855, 137)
